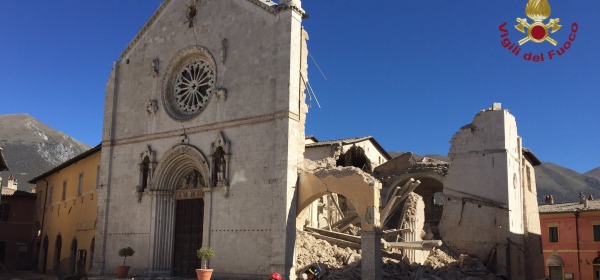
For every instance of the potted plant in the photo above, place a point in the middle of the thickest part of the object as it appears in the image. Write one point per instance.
(204, 254)
(123, 270)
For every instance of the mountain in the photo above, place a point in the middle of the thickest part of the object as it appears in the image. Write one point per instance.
(593, 173)
(564, 184)
(31, 148)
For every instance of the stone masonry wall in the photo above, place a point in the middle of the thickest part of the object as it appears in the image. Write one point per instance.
(261, 114)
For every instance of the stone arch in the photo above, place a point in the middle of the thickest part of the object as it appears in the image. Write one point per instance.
(362, 190)
(357, 187)
(172, 169)
(175, 164)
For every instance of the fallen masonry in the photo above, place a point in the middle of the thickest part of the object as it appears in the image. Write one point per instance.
(339, 262)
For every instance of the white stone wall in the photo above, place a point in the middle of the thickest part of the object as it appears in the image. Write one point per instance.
(486, 196)
(262, 117)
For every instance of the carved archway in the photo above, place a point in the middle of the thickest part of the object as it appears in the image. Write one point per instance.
(182, 171)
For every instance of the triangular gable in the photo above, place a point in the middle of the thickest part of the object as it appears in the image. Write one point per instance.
(273, 9)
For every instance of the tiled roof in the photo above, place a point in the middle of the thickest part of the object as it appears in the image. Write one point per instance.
(351, 141)
(570, 207)
(343, 141)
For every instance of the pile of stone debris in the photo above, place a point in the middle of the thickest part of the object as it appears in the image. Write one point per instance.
(344, 263)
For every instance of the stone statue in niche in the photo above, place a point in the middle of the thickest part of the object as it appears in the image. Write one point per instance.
(146, 169)
(220, 165)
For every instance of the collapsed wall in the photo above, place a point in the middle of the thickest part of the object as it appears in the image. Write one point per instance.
(483, 212)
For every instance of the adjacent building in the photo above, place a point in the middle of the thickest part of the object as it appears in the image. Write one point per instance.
(17, 228)
(571, 239)
(66, 211)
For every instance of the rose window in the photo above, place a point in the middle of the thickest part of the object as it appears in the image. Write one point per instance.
(189, 89)
(193, 86)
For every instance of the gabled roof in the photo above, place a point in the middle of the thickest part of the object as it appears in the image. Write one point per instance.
(266, 5)
(347, 141)
(3, 166)
(311, 137)
(66, 163)
(531, 157)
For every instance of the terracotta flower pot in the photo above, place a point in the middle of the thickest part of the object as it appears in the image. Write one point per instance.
(204, 274)
(122, 271)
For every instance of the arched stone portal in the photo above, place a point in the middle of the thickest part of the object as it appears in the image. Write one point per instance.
(362, 190)
(178, 190)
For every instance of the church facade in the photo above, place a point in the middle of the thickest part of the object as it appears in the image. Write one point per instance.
(203, 133)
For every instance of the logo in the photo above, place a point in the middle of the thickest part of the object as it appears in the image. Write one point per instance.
(538, 32)
(538, 11)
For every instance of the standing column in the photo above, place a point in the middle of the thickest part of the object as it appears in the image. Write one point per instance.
(371, 255)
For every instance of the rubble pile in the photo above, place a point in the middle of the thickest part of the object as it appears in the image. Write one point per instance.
(310, 250)
(344, 263)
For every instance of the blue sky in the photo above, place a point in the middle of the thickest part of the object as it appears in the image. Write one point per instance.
(410, 73)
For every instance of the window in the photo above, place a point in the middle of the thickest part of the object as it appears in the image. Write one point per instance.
(4, 211)
(64, 192)
(597, 233)
(80, 184)
(553, 234)
(50, 194)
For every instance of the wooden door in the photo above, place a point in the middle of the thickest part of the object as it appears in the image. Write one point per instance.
(188, 236)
